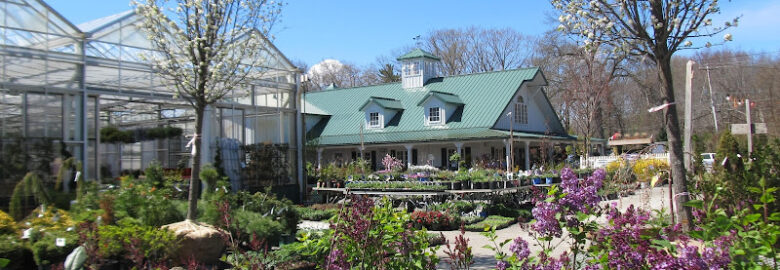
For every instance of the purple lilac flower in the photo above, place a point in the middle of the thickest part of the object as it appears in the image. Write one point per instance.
(546, 222)
(520, 248)
(502, 265)
(337, 260)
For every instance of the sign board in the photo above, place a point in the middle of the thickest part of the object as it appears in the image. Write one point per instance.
(758, 128)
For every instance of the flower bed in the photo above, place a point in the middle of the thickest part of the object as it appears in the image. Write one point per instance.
(394, 185)
(497, 222)
(434, 220)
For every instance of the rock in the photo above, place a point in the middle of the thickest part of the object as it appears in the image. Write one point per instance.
(200, 241)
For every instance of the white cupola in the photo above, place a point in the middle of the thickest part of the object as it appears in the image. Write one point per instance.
(417, 67)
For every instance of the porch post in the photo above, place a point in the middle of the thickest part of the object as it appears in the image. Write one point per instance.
(527, 155)
(508, 153)
(319, 158)
(458, 147)
(408, 155)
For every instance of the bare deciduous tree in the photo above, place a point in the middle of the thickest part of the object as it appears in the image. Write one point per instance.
(472, 50)
(655, 30)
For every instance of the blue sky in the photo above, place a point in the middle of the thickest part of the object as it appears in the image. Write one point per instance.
(358, 31)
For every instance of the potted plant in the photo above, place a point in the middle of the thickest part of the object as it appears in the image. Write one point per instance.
(537, 179)
(549, 178)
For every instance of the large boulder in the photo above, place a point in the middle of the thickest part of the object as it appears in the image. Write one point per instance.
(200, 241)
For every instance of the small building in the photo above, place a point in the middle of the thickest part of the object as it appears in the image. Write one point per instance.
(425, 118)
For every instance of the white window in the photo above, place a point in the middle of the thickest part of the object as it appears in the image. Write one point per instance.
(373, 119)
(434, 115)
(521, 111)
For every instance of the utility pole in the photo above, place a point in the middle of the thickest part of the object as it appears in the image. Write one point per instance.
(712, 101)
(688, 114)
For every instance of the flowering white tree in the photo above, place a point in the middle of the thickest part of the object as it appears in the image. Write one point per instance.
(653, 30)
(206, 49)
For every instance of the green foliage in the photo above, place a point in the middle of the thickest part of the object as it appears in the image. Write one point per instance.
(210, 176)
(113, 241)
(315, 214)
(494, 222)
(15, 250)
(728, 148)
(154, 174)
(264, 227)
(454, 206)
(163, 132)
(315, 245)
(148, 205)
(756, 230)
(31, 185)
(46, 252)
(111, 134)
(500, 209)
(267, 204)
(739, 200)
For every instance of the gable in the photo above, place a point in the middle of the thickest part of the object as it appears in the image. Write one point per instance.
(542, 118)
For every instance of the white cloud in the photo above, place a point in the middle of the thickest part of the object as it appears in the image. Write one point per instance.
(325, 66)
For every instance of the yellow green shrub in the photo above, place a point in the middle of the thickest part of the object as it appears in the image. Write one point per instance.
(7, 224)
(613, 166)
(645, 169)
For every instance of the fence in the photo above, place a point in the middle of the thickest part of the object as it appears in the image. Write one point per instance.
(602, 161)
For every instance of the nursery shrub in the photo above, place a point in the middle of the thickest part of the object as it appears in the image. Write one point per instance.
(13, 249)
(46, 252)
(255, 223)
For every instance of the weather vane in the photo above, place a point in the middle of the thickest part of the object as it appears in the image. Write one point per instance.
(417, 40)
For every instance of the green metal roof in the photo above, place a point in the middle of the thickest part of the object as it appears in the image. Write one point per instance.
(484, 97)
(371, 137)
(387, 103)
(417, 53)
(446, 97)
(308, 108)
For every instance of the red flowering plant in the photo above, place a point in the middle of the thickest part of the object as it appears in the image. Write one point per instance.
(434, 220)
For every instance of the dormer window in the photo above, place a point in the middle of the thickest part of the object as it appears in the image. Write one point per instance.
(373, 120)
(521, 111)
(434, 115)
(379, 111)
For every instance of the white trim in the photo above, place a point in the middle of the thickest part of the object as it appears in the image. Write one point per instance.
(438, 111)
(379, 121)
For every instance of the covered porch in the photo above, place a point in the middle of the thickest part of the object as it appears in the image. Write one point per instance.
(492, 153)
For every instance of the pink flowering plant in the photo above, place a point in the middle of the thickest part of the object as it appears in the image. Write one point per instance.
(391, 163)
